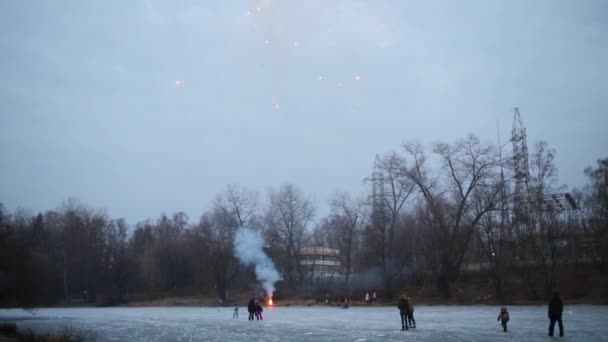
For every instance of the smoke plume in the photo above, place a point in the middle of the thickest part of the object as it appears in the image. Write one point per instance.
(248, 246)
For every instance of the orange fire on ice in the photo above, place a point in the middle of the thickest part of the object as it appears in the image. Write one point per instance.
(270, 302)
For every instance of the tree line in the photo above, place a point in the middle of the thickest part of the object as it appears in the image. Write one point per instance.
(428, 216)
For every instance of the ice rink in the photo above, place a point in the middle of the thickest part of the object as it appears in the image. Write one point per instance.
(434, 323)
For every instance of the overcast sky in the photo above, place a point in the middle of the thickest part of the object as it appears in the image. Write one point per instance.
(145, 106)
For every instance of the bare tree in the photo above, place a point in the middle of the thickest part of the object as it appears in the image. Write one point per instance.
(233, 209)
(118, 259)
(170, 266)
(237, 204)
(543, 237)
(595, 200)
(347, 217)
(495, 236)
(467, 167)
(218, 239)
(287, 217)
(390, 190)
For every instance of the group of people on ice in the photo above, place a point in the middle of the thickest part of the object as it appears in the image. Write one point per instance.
(371, 299)
(255, 310)
(556, 307)
(406, 310)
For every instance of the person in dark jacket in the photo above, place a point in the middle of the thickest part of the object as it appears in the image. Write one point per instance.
(251, 308)
(404, 308)
(503, 317)
(555, 314)
(410, 313)
(258, 311)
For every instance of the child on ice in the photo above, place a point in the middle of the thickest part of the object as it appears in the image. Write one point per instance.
(258, 311)
(235, 314)
(503, 317)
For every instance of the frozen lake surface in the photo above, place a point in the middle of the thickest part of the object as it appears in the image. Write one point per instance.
(435, 323)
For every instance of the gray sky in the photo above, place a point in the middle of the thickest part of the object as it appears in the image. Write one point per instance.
(90, 107)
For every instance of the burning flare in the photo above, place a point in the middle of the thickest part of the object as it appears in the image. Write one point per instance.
(270, 302)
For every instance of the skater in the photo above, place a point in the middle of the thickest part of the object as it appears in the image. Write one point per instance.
(374, 297)
(251, 308)
(258, 311)
(404, 309)
(235, 314)
(503, 317)
(555, 314)
(410, 313)
(367, 297)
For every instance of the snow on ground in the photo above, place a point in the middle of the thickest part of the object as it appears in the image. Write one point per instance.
(435, 323)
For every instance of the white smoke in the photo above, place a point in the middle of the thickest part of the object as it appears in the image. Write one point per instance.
(249, 249)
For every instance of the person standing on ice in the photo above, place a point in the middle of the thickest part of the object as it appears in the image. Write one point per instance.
(258, 311)
(235, 314)
(404, 307)
(410, 313)
(344, 303)
(367, 297)
(503, 317)
(251, 308)
(374, 297)
(556, 307)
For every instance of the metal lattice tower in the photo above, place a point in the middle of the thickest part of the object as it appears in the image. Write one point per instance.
(520, 166)
(377, 186)
(378, 193)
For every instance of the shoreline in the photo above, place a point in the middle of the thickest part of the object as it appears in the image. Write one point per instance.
(302, 303)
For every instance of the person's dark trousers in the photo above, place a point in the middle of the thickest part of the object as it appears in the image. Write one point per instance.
(411, 320)
(504, 326)
(404, 321)
(251, 315)
(557, 319)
